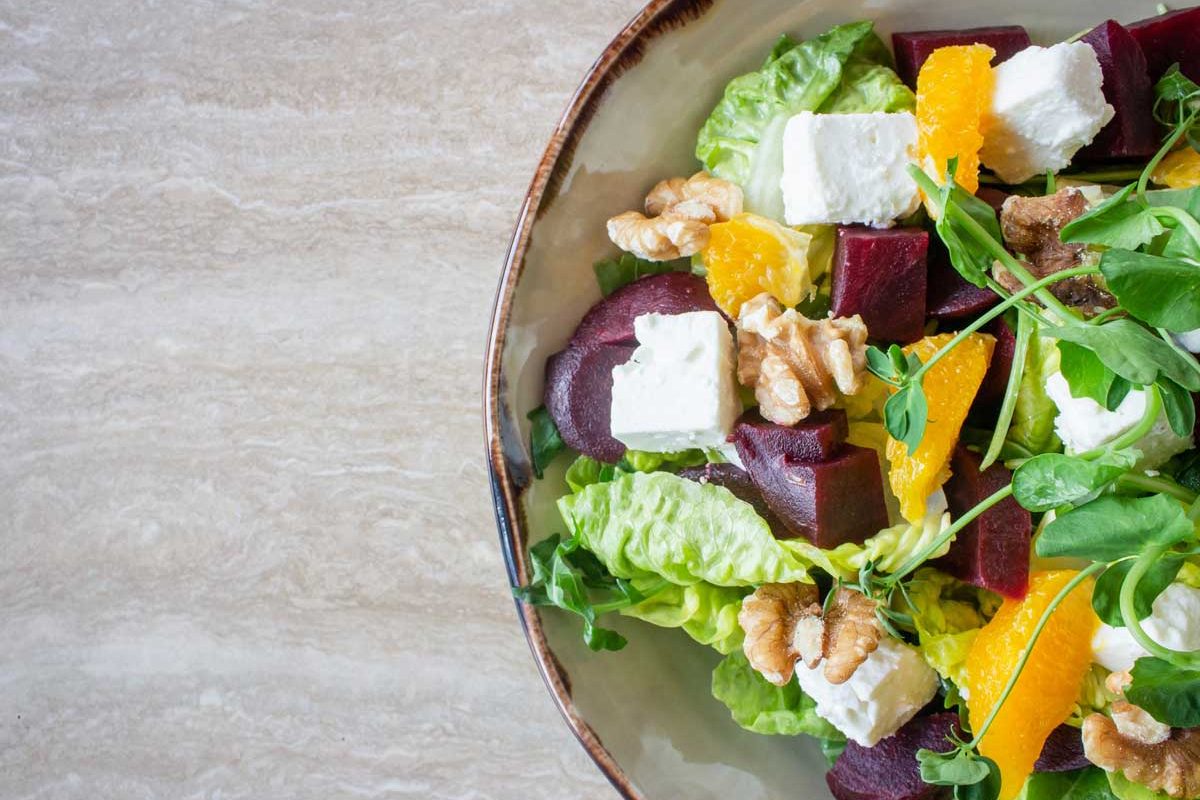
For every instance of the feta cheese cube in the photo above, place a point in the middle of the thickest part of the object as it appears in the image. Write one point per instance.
(886, 691)
(1174, 623)
(1046, 105)
(846, 168)
(1188, 340)
(678, 390)
(1083, 424)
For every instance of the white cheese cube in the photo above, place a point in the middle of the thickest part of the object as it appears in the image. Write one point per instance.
(1083, 424)
(679, 390)
(1188, 340)
(1046, 105)
(886, 691)
(847, 168)
(1174, 623)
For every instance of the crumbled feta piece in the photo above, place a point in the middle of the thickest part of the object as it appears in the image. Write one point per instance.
(847, 168)
(678, 391)
(1083, 424)
(1174, 623)
(1188, 340)
(885, 692)
(1046, 105)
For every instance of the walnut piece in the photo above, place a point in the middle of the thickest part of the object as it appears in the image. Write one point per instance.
(769, 619)
(1170, 765)
(797, 365)
(1031, 227)
(679, 212)
(784, 624)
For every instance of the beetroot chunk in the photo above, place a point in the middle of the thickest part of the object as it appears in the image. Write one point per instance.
(992, 552)
(913, 47)
(1062, 752)
(611, 320)
(889, 770)
(578, 395)
(1168, 39)
(951, 296)
(737, 481)
(818, 437)
(995, 381)
(826, 502)
(1132, 133)
(881, 275)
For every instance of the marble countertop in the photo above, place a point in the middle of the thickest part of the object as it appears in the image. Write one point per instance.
(247, 261)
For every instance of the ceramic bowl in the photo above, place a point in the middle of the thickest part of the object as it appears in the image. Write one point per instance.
(645, 714)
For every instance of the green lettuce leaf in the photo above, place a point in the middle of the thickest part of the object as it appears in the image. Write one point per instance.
(644, 524)
(640, 461)
(948, 614)
(1094, 696)
(1033, 421)
(585, 470)
(760, 706)
(1084, 784)
(1125, 789)
(707, 613)
(742, 140)
(869, 83)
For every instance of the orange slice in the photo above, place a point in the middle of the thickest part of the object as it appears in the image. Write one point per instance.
(749, 255)
(954, 92)
(1179, 170)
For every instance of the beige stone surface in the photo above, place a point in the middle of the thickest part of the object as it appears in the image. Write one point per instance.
(247, 256)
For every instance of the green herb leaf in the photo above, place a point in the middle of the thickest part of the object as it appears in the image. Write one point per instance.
(880, 364)
(1168, 693)
(1178, 406)
(1033, 420)
(1118, 390)
(956, 768)
(544, 439)
(986, 789)
(905, 414)
(971, 259)
(1111, 527)
(1164, 292)
(1181, 243)
(613, 273)
(1132, 352)
(1116, 222)
(1053, 480)
(1106, 597)
(1084, 784)
(1085, 372)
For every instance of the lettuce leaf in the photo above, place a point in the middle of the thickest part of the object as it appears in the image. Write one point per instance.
(645, 524)
(707, 613)
(869, 83)
(1094, 696)
(948, 615)
(1084, 784)
(742, 140)
(1033, 421)
(1125, 789)
(760, 706)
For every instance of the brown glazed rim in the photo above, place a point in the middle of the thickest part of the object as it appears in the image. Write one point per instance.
(622, 53)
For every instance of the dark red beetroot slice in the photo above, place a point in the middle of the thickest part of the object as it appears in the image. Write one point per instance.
(889, 770)
(1128, 89)
(880, 275)
(1169, 39)
(950, 296)
(737, 481)
(816, 438)
(913, 47)
(992, 552)
(995, 381)
(992, 196)
(1063, 751)
(578, 395)
(828, 503)
(611, 320)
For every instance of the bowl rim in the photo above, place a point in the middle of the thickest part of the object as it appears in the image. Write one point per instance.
(623, 52)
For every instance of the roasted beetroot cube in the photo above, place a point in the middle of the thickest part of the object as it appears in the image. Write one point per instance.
(995, 381)
(992, 196)
(950, 295)
(737, 481)
(611, 320)
(578, 395)
(818, 437)
(1062, 752)
(913, 47)
(889, 770)
(1132, 133)
(827, 502)
(992, 552)
(880, 275)
(1172, 38)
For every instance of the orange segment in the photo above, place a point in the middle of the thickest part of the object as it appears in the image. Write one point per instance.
(1179, 170)
(1049, 685)
(950, 387)
(749, 255)
(954, 91)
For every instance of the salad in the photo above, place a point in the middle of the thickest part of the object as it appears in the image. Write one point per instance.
(892, 403)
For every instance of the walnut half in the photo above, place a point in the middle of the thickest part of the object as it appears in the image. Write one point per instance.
(797, 365)
(1134, 744)
(678, 213)
(784, 624)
